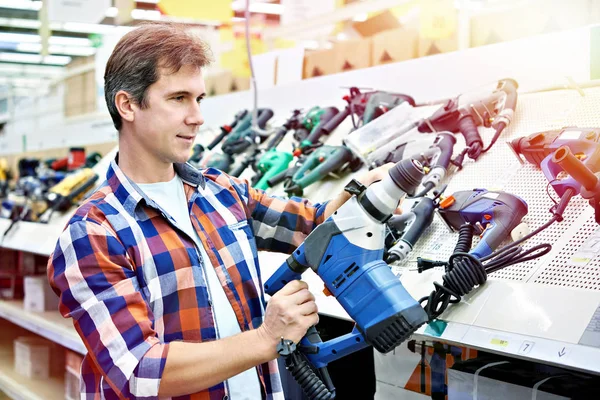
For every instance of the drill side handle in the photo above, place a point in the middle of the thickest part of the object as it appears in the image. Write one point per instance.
(290, 270)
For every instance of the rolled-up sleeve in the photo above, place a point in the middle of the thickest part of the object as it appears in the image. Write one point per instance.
(91, 272)
(280, 224)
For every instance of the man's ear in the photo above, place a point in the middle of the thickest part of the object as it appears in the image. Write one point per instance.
(125, 106)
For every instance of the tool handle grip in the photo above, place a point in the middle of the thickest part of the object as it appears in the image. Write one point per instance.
(276, 138)
(468, 128)
(280, 177)
(263, 116)
(217, 139)
(575, 167)
(509, 86)
(237, 171)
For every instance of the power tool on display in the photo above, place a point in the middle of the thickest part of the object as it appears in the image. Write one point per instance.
(238, 140)
(242, 137)
(406, 229)
(346, 252)
(434, 152)
(466, 112)
(573, 150)
(271, 161)
(367, 106)
(59, 197)
(323, 161)
(316, 123)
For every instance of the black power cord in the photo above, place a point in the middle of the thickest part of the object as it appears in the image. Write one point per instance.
(464, 271)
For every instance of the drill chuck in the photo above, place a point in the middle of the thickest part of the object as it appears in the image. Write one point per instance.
(407, 175)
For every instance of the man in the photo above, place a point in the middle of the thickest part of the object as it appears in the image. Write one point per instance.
(159, 268)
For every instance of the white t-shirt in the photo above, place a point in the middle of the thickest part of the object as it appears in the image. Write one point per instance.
(171, 197)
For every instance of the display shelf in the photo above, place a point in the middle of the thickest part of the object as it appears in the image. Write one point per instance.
(49, 324)
(19, 387)
(41, 238)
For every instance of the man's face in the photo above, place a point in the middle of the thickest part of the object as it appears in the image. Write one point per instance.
(167, 127)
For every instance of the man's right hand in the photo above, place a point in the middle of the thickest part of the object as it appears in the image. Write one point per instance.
(289, 314)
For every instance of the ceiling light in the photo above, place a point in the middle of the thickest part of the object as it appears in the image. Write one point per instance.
(27, 38)
(79, 27)
(57, 49)
(21, 4)
(34, 58)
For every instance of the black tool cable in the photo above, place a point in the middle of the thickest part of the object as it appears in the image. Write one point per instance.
(464, 271)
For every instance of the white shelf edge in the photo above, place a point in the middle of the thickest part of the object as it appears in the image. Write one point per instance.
(40, 326)
(574, 356)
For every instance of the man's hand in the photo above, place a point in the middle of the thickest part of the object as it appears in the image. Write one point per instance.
(289, 314)
(366, 179)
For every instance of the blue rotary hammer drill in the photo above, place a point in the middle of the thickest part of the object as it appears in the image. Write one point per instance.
(346, 251)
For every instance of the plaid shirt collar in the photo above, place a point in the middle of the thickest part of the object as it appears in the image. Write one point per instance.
(129, 194)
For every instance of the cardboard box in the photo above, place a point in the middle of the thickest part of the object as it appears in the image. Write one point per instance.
(394, 46)
(239, 84)
(352, 54)
(218, 83)
(32, 357)
(39, 297)
(378, 23)
(80, 89)
(319, 63)
(429, 47)
(532, 18)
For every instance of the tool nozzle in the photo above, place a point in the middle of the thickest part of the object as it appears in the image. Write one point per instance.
(574, 167)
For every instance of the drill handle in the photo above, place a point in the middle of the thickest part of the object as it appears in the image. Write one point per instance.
(219, 138)
(468, 128)
(445, 143)
(290, 270)
(276, 138)
(283, 175)
(505, 218)
(237, 171)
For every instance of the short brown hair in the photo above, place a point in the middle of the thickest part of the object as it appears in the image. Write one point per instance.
(134, 63)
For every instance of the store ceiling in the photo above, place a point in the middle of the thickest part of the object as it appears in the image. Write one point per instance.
(21, 63)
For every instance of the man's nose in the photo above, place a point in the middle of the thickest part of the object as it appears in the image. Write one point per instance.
(194, 116)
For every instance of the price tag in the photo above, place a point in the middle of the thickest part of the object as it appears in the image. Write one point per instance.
(526, 347)
(499, 342)
(588, 250)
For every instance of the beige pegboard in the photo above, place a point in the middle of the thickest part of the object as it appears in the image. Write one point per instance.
(499, 169)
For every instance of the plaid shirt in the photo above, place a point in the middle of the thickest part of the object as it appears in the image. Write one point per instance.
(133, 282)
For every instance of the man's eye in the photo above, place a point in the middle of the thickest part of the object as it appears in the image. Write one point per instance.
(199, 100)
(179, 98)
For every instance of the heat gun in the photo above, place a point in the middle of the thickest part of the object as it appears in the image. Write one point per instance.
(544, 150)
(493, 215)
(463, 114)
(346, 252)
(323, 161)
(584, 173)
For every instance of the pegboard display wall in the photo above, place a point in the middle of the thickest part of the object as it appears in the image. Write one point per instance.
(499, 169)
